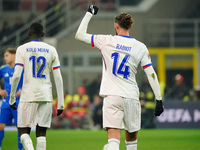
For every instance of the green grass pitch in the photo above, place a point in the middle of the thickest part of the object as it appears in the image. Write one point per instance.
(148, 139)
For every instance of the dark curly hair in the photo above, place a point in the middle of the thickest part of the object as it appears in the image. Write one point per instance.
(124, 20)
(37, 29)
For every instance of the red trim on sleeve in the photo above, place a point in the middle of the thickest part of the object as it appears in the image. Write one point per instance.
(92, 41)
(146, 66)
(19, 64)
(54, 68)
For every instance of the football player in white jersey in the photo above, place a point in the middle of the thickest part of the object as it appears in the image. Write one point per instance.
(37, 59)
(121, 56)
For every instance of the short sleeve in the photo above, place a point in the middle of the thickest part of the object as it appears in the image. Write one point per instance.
(19, 60)
(56, 61)
(146, 59)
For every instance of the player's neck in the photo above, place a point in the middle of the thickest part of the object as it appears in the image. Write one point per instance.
(12, 64)
(35, 38)
(123, 32)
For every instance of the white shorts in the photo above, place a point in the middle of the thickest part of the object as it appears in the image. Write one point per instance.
(32, 113)
(121, 113)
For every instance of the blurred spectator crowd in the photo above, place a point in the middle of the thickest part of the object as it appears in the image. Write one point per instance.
(181, 90)
(54, 19)
(8, 29)
(178, 91)
(82, 110)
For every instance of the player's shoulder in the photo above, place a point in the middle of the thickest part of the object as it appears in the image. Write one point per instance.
(49, 46)
(23, 45)
(139, 43)
(103, 36)
(141, 46)
(108, 37)
(4, 67)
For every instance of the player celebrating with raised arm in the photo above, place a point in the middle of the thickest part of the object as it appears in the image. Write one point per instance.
(37, 59)
(6, 113)
(121, 56)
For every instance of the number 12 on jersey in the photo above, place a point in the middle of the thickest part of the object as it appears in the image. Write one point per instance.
(123, 68)
(40, 64)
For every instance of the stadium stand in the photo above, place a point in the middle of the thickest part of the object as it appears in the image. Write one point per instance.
(167, 23)
(153, 28)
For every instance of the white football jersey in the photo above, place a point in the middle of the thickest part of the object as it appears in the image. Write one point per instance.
(38, 60)
(121, 57)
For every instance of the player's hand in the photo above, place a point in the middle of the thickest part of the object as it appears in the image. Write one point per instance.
(3, 93)
(59, 111)
(18, 93)
(13, 106)
(159, 108)
(93, 9)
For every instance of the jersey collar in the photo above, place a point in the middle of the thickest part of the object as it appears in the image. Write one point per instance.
(36, 41)
(126, 36)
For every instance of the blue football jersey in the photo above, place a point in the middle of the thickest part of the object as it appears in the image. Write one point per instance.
(6, 72)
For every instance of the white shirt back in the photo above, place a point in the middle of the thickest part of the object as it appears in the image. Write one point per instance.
(121, 57)
(38, 59)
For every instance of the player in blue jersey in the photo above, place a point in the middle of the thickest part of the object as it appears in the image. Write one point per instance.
(6, 112)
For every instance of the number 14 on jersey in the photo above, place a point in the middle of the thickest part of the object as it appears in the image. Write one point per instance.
(123, 68)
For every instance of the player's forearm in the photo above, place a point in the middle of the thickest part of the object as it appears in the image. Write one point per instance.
(0, 91)
(59, 88)
(81, 33)
(153, 80)
(14, 83)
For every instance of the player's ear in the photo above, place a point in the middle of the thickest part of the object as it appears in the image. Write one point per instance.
(42, 35)
(29, 33)
(117, 26)
(131, 26)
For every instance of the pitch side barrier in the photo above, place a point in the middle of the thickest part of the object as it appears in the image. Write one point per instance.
(179, 114)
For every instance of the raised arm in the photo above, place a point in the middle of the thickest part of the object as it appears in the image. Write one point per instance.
(153, 80)
(81, 33)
